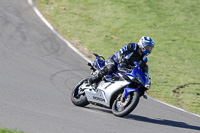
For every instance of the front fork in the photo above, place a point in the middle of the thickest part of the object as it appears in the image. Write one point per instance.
(122, 99)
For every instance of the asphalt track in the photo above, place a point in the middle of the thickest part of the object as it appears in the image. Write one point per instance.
(37, 74)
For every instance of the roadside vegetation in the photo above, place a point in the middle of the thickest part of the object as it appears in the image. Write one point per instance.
(5, 130)
(104, 26)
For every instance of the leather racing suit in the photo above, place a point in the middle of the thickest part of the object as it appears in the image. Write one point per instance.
(125, 57)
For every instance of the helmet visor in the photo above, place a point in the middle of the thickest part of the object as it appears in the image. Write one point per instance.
(149, 48)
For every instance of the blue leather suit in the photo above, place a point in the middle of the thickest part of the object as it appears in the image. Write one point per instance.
(125, 57)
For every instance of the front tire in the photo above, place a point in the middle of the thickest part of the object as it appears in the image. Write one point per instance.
(121, 109)
(78, 96)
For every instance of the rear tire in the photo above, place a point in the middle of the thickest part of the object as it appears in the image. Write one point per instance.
(121, 109)
(78, 97)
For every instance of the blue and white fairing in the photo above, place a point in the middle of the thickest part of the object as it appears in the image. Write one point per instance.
(106, 90)
(139, 76)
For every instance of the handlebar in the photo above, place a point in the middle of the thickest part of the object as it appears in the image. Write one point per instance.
(98, 56)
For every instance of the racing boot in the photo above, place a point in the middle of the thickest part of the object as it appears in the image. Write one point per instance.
(94, 79)
(98, 77)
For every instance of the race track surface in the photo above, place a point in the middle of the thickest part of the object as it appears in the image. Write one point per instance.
(38, 72)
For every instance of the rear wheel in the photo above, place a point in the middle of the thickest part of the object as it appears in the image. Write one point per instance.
(78, 97)
(122, 108)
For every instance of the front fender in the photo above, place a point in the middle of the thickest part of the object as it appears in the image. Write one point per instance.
(129, 90)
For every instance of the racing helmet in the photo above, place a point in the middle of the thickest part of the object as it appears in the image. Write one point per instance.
(146, 44)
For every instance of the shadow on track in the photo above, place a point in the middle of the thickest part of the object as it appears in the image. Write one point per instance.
(162, 122)
(96, 108)
(150, 120)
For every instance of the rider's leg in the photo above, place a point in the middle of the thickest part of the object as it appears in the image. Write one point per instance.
(108, 69)
(98, 77)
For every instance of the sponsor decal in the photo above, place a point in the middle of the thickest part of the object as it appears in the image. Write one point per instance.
(99, 99)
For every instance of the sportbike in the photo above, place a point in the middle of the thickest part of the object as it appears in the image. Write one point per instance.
(119, 91)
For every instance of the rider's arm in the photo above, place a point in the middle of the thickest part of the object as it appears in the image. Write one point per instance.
(128, 48)
(126, 52)
(145, 69)
(143, 65)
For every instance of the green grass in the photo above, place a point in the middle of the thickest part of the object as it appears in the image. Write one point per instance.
(104, 26)
(5, 130)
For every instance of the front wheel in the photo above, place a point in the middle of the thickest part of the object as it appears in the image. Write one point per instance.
(122, 108)
(78, 96)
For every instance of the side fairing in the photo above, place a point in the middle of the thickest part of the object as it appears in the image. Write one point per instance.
(104, 92)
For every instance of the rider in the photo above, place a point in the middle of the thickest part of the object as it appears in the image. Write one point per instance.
(126, 57)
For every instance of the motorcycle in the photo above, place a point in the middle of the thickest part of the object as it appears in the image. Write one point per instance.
(119, 91)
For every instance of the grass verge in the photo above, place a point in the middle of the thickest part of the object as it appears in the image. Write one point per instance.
(5, 130)
(104, 26)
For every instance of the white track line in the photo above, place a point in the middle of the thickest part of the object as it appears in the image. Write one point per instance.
(173, 106)
(87, 59)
